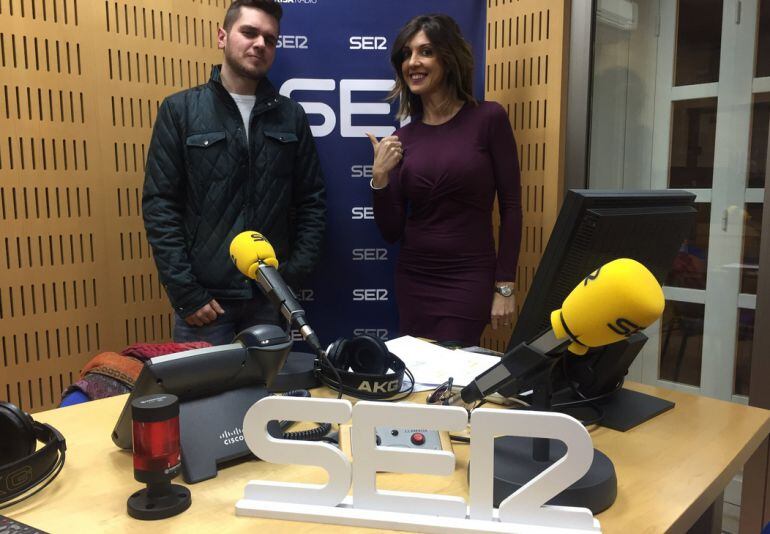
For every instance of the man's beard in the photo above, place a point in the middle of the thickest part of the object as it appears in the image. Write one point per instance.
(254, 73)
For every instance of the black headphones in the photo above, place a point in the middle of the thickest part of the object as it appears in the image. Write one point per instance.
(23, 469)
(362, 364)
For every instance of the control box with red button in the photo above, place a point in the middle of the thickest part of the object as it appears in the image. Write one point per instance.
(411, 438)
(414, 438)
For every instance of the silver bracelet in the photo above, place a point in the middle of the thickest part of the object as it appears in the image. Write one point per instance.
(371, 184)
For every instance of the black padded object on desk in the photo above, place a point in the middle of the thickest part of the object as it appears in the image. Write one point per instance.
(297, 373)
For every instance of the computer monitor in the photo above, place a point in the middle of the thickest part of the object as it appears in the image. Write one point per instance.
(593, 228)
(215, 386)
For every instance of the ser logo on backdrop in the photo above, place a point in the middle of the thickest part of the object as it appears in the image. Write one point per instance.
(368, 42)
(370, 254)
(370, 295)
(361, 171)
(299, 42)
(297, 1)
(348, 105)
(362, 212)
(381, 333)
(305, 295)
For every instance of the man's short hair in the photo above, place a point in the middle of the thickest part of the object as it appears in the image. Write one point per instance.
(271, 7)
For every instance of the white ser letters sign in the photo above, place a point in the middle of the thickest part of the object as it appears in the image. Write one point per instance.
(347, 106)
(524, 511)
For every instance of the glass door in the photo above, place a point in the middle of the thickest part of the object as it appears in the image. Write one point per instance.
(680, 101)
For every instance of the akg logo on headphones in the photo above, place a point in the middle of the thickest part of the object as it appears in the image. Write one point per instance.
(231, 437)
(16, 479)
(379, 387)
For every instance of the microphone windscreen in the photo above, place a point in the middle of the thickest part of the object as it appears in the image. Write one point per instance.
(617, 300)
(248, 249)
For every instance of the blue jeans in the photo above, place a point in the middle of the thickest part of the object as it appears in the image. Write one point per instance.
(239, 315)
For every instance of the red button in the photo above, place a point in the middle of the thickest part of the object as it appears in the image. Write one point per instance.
(418, 438)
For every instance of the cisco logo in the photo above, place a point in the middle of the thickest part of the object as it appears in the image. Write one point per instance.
(231, 437)
(299, 42)
(381, 333)
(305, 295)
(368, 42)
(362, 212)
(370, 254)
(370, 295)
(361, 171)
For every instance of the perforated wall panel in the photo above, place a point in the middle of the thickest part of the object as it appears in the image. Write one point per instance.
(81, 84)
(526, 73)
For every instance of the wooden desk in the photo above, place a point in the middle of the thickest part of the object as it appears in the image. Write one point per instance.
(670, 469)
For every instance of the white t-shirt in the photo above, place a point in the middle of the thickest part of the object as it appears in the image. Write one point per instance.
(245, 104)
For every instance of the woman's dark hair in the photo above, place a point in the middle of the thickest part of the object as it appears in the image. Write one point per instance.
(271, 7)
(452, 51)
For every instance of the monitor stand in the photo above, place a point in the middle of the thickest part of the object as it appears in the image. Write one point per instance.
(625, 409)
(622, 410)
(211, 431)
(600, 371)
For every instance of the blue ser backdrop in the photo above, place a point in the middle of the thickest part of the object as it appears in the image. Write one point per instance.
(334, 59)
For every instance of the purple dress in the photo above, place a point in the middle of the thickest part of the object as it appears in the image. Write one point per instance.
(438, 204)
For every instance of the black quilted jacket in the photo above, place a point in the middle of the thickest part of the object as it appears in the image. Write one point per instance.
(204, 184)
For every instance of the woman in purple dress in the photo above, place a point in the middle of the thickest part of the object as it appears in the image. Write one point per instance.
(434, 184)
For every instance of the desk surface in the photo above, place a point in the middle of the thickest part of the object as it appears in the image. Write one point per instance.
(670, 469)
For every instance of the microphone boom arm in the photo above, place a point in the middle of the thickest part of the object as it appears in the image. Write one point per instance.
(518, 367)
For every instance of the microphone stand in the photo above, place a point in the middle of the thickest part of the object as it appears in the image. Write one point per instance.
(541, 401)
(518, 460)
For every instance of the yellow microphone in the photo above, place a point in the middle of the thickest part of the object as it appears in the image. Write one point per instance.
(253, 255)
(248, 249)
(612, 303)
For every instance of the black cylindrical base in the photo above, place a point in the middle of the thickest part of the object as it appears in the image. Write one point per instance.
(158, 501)
(514, 466)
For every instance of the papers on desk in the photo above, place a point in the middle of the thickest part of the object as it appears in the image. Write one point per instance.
(432, 365)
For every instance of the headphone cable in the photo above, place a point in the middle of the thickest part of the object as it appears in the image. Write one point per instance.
(325, 359)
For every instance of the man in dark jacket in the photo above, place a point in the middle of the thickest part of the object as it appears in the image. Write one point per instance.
(228, 156)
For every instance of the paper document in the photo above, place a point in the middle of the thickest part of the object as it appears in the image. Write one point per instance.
(433, 365)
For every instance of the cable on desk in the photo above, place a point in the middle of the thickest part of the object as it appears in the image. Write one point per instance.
(314, 434)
